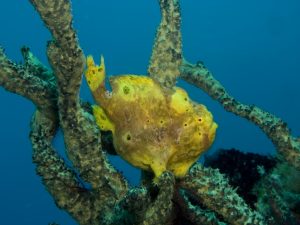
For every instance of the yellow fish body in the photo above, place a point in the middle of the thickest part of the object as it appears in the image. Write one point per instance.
(154, 128)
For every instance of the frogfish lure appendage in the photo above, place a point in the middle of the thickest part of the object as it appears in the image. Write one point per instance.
(153, 128)
(95, 75)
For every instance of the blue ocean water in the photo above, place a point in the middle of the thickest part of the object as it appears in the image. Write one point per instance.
(252, 47)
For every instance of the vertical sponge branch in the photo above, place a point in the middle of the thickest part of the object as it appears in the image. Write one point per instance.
(64, 53)
(167, 50)
(81, 135)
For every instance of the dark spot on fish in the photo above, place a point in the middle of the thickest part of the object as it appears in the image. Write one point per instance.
(126, 90)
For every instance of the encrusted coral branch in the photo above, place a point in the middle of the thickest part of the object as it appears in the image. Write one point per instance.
(130, 209)
(279, 195)
(278, 132)
(160, 212)
(167, 50)
(81, 134)
(211, 189)
(58, 18)
(193, 212)
(62, 183)
(22, 80)
(33, 65)
(59, 180)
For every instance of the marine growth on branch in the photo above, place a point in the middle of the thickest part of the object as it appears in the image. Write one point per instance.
(154, 126)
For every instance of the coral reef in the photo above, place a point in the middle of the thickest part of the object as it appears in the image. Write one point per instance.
(202, 196)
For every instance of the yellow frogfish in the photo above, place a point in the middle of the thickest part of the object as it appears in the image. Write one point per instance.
(154, 128)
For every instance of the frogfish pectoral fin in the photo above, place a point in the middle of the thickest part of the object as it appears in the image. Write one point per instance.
(102, 119)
